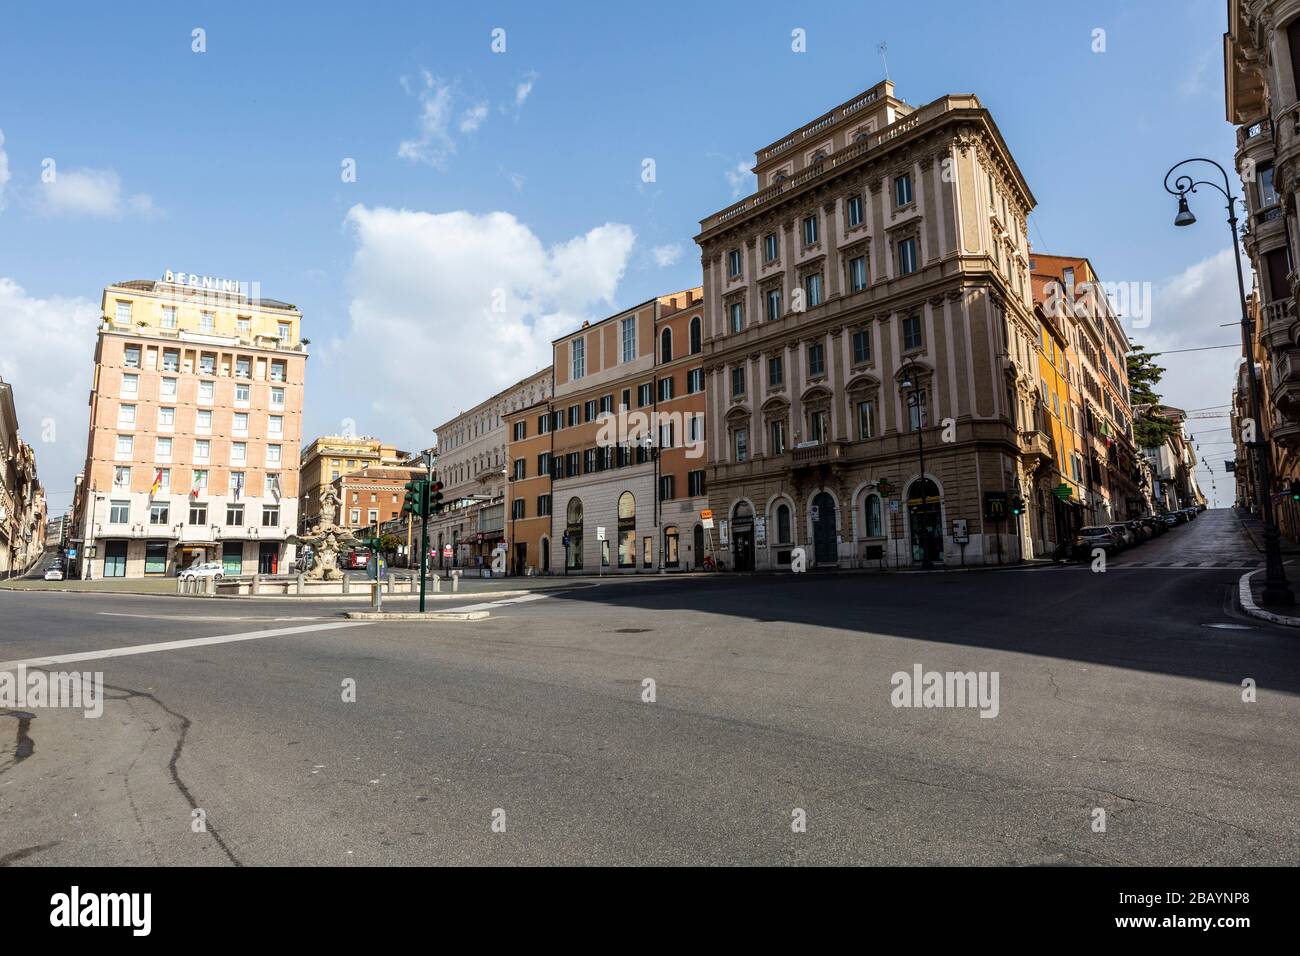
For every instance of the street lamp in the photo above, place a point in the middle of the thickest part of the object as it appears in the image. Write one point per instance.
(1277, 590)
(912, 380)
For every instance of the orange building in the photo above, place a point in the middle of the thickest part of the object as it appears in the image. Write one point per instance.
(528, 514)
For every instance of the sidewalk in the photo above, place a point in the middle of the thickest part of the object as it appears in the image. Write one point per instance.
(1254, 529)
(1250, 590)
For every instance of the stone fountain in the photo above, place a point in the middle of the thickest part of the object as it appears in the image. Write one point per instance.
(326, 540)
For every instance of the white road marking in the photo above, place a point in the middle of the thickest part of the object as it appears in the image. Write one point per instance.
(175, 645)
(493, 605)
(210, 617)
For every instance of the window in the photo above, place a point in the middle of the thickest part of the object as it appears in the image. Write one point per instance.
(171, 360)
(694, 381)
(812, 287)
(274, 424)
(243, 325)
(695, 427)
(271, 515)
(695, 483)
(666, 346)
(169, 316)
(907, 257)
(125, 446)
(126, 416)
(665, 389)
(733, 263)
(628, 330)
(866, 419)
(207, 321)
(575, 416)
(589, 410)
(773, 303)
(544, 463)
(283, 328)
(873, 526)
(543, 506)
(857, 274)
(644, 395)
(167, 388)
(1267, 192)
(776, 431)
(783, 524)
(200, 479)
(666, 488)
(278, 370)
(916, 411)
(234, 516)
(243, 367)
(372, 516)
(769, 247)
(238, 452)
(236, 483)
(163, 449)
(207, 364)
(578, 357)
(911, 332)
(159, 514)
(130, 384)
(202, 449)
(903, 189)
(119, 512)
(861, 347)
(520, 431)
(206, 391)
(573, 464)
(696, 344)
(667, 435)
(854, 210)
(131, 356)
(198, 512)
(519, 467)
(737, 313)
(277, 397)
(740, 444)
(738, 380)
(354, 516)
(626, 530)
(121, 476)
(164, 477)
(203, 420)
(589, 461)
(544, 424)
(239, 421)
(517, 508)
(123, 313)
(273, 454)
(810, 230)
(775, 371)
(816, 360)
(166, 417)
(818, 425)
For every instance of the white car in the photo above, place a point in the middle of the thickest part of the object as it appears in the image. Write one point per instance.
(210, 569)
(54, 574)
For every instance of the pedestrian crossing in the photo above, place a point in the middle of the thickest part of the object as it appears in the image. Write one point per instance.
(1209, 564)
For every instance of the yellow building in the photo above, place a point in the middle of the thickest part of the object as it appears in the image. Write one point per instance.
(331, 456)
(1050, 513)
(195, 426)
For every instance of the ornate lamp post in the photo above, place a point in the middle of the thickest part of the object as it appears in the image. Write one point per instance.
(912, 380)
(1277, 590)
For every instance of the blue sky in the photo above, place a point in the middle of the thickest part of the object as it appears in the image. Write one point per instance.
(228, 162)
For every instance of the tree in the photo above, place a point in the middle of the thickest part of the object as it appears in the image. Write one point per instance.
(1150, 430)
(389, 543)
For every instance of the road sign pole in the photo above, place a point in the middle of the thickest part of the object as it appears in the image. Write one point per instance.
(424, 533)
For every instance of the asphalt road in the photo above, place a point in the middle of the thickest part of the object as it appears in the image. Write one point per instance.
(1118, 691)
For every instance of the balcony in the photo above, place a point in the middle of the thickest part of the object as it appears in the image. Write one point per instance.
(1284, 380)
(1037, 447)
(822, 453)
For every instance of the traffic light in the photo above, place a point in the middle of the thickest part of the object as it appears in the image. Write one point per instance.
(1295, 490)
(415, 498)
(435, 498)
(1017, 506)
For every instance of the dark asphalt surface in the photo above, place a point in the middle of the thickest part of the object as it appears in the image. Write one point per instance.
(1119, 691)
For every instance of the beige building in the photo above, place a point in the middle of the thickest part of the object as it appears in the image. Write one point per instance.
(195, 430)
(472, 465)
(22, 500)
(874, 292)
(329, 457)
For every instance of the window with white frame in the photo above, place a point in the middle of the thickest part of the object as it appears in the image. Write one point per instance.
(241, 394)
(123, 313)
(275, 424)
(125, 446)
(578, 356)
(203, 420)
(207, 321)
(130, 384)
(162, 449)
(167, 388)
(273, 454)
(627, 329)
(169, 316)
(238, 452)
(202, 449)
(126, 416)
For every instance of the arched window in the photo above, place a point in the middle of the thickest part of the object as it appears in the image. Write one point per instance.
(818, 157)
(783, 524)
(671, 559)
(626, 530)
(873, 525)
(666, 346)
(695, 336)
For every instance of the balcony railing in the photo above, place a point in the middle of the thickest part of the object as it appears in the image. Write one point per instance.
(1279, 313)
(1035, 444)
(819, 454)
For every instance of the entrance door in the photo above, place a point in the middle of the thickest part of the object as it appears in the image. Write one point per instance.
(115, 559)
(268, 558)
(925, 518)
(521, 556)
(825, 547)
(699, 546)
(232, 557)
(743, 550)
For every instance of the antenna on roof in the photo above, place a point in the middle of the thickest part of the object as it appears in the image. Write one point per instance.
(881, 47)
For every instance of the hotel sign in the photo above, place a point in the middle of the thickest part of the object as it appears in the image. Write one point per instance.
(207, 283)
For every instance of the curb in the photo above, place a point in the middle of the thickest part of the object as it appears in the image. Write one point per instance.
(416, 616)
(1247, 600)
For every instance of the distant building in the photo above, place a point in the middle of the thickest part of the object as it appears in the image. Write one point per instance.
(22, 499)
(329, 457)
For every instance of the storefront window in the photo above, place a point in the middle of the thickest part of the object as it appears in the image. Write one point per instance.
(627, 530)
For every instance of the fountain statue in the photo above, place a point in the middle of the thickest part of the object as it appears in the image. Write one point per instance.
(325, 539)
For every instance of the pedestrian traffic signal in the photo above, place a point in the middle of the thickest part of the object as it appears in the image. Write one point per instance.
(1017, 505)
(435, 498)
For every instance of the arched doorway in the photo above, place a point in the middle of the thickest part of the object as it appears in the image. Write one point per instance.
(671, 558)
(573, 536)
(742, 537)
(825, 546)
(925, 520)
(626, 530)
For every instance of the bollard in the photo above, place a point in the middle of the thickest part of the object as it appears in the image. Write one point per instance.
(347, 584)
(391, 578)
(302, 584)
(455, 580)
(256, 587)
(210, 585)
(437, 584)
(377, 595)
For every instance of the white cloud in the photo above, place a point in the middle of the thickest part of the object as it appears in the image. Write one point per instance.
(471, 301)
(517, 180)
(473, 117)
(4, 169)
(47, 358)
(524, 88)
(667, 255)
(740, 179)
(434, 144)
(90, 192)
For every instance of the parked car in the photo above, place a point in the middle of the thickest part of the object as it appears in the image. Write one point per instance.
(1141, 532)
(1123, 535)
(54, 574)
(209, 569)
(1100, 537)
(1155, 526)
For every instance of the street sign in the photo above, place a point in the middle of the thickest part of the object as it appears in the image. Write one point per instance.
(959, 532)
(760, 532)
(600, 533)
(1063, 491)
(706, 514)
(815, 512)
(707, 524)
(446, 551)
